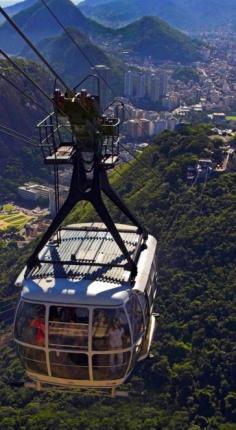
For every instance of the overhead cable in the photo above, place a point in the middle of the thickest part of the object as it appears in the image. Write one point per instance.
(18, 136)
(3, 76)
(33, 47)
(73, 40)
(17, 67)
(85, 56)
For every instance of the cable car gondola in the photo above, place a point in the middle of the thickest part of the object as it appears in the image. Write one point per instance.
(85, 317)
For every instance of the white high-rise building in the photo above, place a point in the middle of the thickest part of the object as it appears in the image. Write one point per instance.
(141, 86)
(133, 129)
(129, 84)
(163, 84)
(160, 126)
(153, 87)
(104, 73)
(171, 123)
(145, 127)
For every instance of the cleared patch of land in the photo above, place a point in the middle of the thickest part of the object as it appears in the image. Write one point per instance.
(231, 118)
(10, 217)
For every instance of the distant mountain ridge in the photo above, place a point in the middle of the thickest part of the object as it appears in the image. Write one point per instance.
(38, 24)
(149, 36)
(18, 7)
(191, 15)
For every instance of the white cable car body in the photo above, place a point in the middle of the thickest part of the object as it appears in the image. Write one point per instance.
(86, 323)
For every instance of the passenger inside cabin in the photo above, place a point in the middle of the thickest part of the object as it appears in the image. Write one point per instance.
(100, 331)
(38, 324)
(116, 333)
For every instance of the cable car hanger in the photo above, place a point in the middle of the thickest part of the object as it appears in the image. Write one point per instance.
(92, 151)
(83, 187)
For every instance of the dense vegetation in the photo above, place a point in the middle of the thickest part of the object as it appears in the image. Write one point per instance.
(150, 36)
(190, 383)
(20, 161)
(71, 64)
(186, 74)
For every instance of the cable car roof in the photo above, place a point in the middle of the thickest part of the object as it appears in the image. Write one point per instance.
(87, 267)
(91, 253)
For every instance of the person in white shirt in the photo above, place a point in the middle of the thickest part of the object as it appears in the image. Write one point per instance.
(115, 335)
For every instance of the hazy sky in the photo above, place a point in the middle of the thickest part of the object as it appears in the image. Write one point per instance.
(9, 2)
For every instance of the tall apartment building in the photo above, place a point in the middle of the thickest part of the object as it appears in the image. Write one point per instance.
(163, 84)
(105, 73)
(141, 86)
(150, 85)
(133, 128)
(153, 87)
(129, 84)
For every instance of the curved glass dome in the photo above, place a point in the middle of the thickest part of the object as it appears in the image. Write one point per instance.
(83, 344)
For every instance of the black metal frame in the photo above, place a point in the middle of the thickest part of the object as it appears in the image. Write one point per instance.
(89, 180)
(81, 191)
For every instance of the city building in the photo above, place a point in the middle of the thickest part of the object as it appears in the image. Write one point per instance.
(141, 87)
(103, 72)
(33, 192)
(129, 84)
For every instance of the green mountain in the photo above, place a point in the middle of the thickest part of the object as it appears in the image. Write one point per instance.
(38, 24)
(20, 161)
(189, 383)
(63, 55)
(191, 15)
(150, 36)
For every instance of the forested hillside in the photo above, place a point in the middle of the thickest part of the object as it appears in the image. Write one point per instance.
(20, 161)
(150, 36)
(189, 384)
(71, 64)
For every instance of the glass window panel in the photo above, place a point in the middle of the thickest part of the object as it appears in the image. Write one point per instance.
(110, 366)
(110, 329)
(34, 360)
(68, 327)
(144, 304)
(136, 317)
(69, 365)
(30, 324)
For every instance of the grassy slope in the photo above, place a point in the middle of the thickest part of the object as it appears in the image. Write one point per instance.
(189, 382)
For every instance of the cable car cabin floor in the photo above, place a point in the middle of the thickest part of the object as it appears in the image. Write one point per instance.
(82, 391)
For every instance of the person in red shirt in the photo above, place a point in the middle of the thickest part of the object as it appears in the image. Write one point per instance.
(39, 325)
